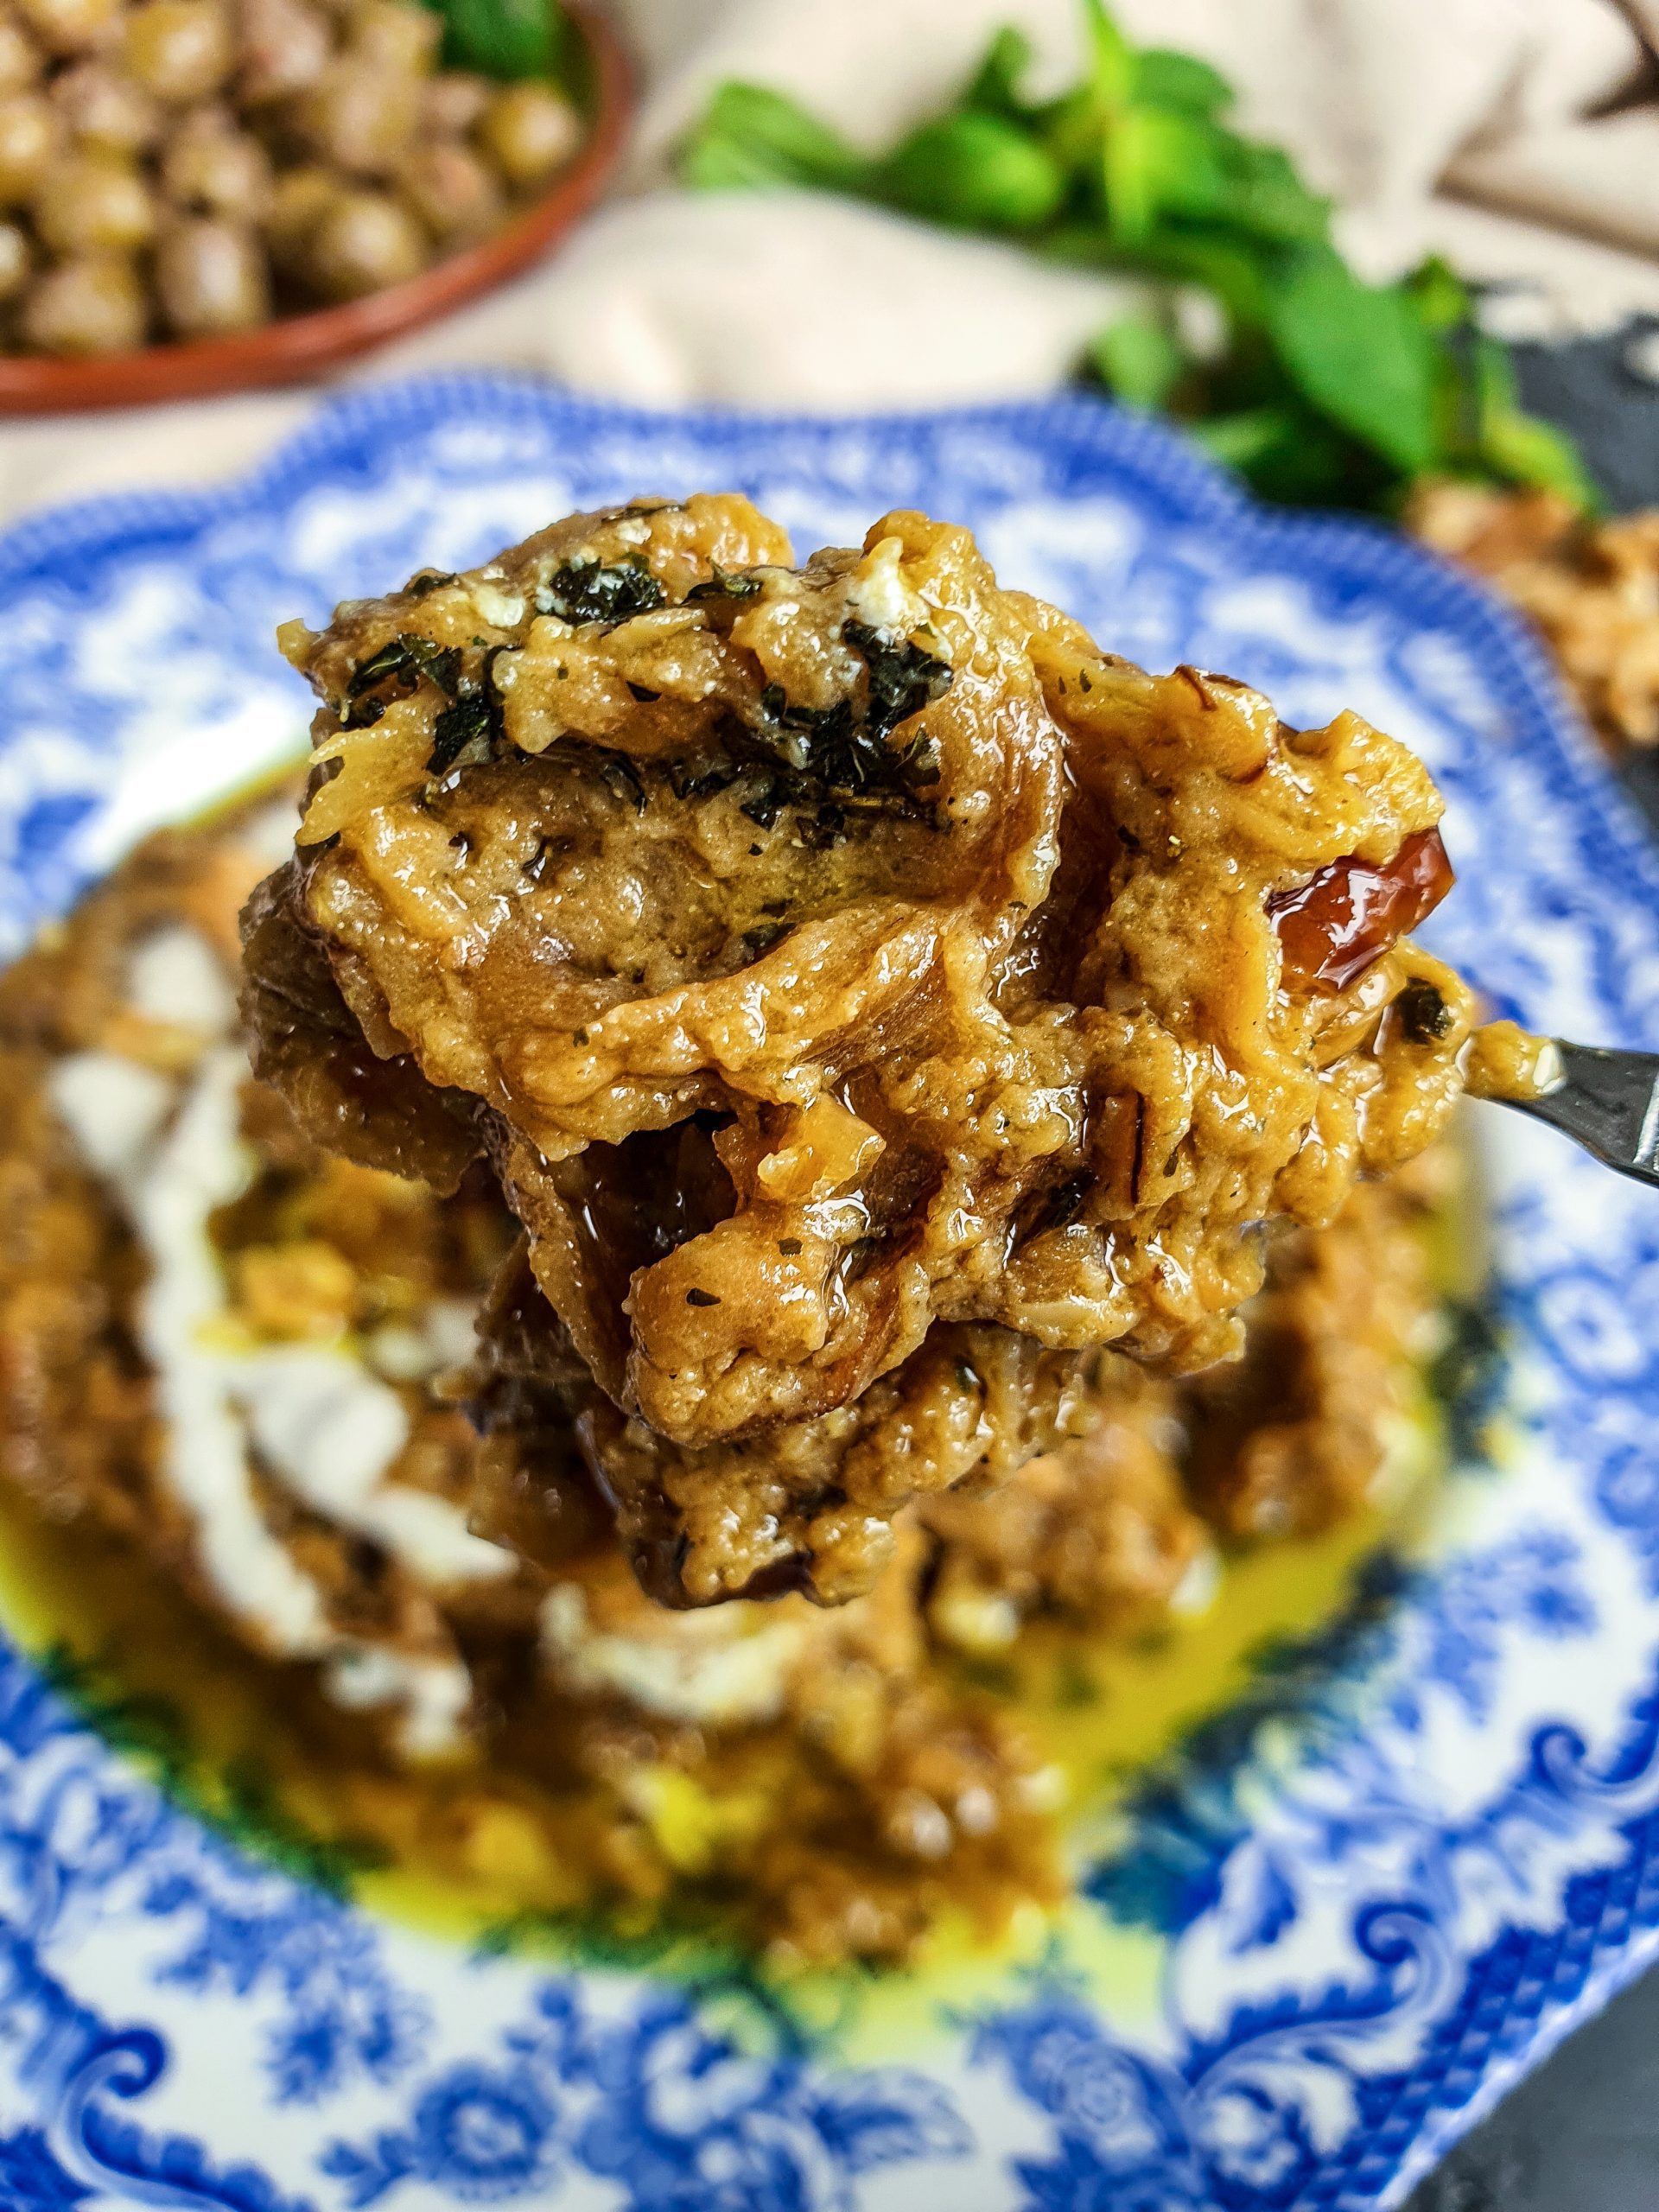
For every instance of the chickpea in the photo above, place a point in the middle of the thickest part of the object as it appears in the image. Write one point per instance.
(211, 277)
(530, 131)
(92, 203)
(20, 58)
(363, 241)
(180, 50)
(454, 193)
(396, 33)
(361, 116)
(451, 103)
(212, 168)
(30, 134)
(285, 46)
(72, 26)
(16, 260)
(298, 202)
(91, 305)
(103, 110)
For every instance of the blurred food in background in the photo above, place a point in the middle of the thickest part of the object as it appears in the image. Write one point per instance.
(1592, 587)
(235, 1484)
(175, 170)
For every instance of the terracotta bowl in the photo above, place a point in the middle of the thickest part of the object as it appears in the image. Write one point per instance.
(300, 346)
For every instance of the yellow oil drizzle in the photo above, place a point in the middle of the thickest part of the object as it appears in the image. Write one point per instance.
(1144, 1701)
(1101, 1712)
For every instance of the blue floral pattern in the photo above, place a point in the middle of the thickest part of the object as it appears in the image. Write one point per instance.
(1423, 1841)
(678, 2117)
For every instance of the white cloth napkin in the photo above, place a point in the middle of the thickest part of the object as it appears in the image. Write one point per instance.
(1472, 127)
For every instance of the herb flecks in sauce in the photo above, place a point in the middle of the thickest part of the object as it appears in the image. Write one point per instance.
(594, 591)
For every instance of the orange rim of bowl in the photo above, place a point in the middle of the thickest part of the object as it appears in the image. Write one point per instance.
(294, 347)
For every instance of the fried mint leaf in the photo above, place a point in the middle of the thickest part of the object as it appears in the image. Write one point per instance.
(903, 678)
(455, 730)
(725, 584)
(401, 662)
(585, 591)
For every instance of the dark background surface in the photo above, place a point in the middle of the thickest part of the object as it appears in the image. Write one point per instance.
(1582, 2135)
(1588, 388)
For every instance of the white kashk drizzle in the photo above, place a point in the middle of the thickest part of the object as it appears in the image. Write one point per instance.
(329, 1432)
(174, 974)
(199, 1164)
(881, 594)
(112, 1108)
(442, 1337)
(432, 1694)
(729, 1666)
(321, 1424)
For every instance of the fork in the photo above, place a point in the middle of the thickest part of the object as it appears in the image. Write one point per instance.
(1606, 1102)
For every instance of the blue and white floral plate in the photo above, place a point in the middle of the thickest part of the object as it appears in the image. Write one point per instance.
(1366, 1901)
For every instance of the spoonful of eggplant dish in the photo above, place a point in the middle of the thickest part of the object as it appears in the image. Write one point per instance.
(871, 997)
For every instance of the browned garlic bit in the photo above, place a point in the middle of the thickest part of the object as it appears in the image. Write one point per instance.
(1505, 1061)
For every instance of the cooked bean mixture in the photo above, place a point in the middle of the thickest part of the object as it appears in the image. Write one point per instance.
(230, 1360)
(177, 169)
(870, 998)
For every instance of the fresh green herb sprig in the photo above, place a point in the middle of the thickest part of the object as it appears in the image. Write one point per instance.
(1317, 387)
(510, 39)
